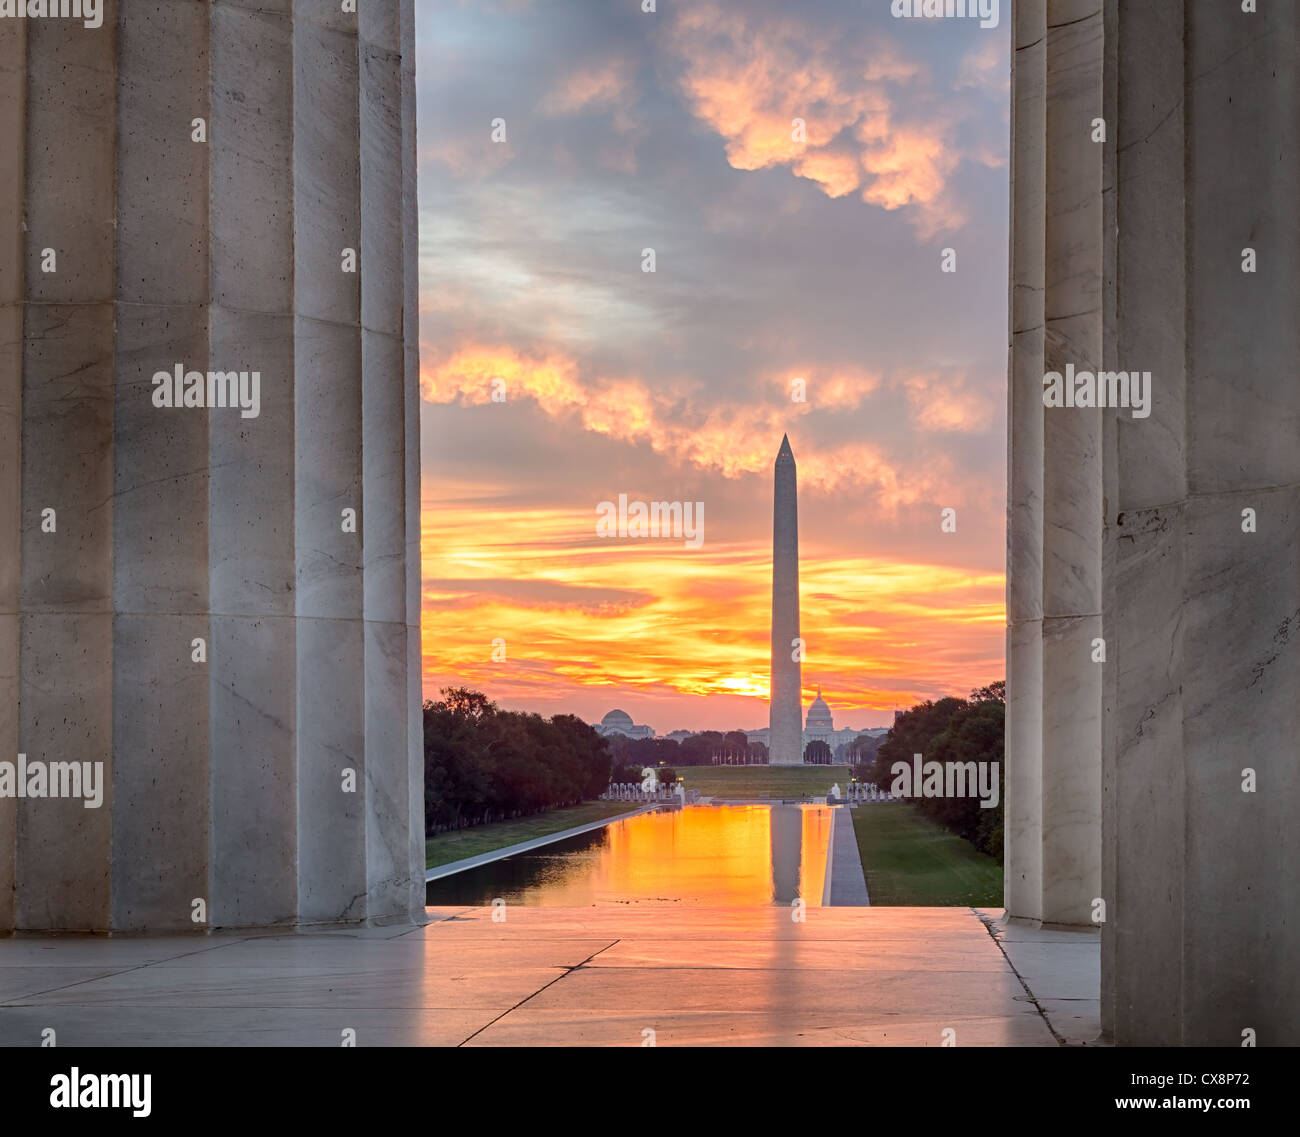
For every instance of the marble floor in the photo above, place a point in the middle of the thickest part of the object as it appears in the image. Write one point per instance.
(563, 976)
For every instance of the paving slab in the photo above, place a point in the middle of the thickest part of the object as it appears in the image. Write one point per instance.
(1058, 970)
(527, 1027)
(351, 984)
(20, 982)
(1076, 1021)
(837, 976)
(787, 991)
(771, 922)
(814, 954)
(225, 1026)
(1062, 970)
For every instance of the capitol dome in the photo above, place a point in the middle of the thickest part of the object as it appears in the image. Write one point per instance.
(819, 715)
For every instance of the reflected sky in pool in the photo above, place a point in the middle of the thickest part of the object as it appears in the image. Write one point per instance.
(714, 856)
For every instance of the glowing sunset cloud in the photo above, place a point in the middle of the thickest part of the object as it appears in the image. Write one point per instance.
(752, 75)
(732, 439)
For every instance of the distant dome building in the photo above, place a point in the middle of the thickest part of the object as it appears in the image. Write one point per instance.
(620, 722)
(819, 726)
(617, 720)
(819, 721)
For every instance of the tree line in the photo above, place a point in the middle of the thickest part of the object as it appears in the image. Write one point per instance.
(950, 730)
(697, 750)
(482, 763)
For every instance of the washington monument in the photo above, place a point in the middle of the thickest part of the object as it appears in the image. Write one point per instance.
(785, 708)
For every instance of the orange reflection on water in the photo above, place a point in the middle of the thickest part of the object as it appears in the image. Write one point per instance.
(817, 825)
(723, 856)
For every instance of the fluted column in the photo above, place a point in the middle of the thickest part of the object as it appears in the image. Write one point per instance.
(383, 364)
(1170, 249)
(1072, 505)
(328, 457)
(1023, 859)
(67, 470)
(1147, 567)
(1053, 862)
(226, 615)
(161, 462)
(411, 450)
(1202, 938)
(13, 118)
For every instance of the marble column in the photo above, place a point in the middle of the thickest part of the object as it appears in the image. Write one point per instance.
(225, 612)
(1023, 835)
(1201, 943)
(13, 104)
(1191, 231)
(1054, 531)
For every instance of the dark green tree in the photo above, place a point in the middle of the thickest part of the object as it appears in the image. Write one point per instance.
(484, 764)
(817, 752)
(959, 731)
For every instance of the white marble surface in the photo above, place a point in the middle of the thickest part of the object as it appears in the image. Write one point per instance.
(1054, 512)
(557, 976)
(1141, 270)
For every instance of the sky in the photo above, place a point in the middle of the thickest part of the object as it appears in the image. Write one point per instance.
(797, 288)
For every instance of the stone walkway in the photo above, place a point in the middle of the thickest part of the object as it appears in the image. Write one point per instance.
(1063, 972)
(846, 883)
(556, 976)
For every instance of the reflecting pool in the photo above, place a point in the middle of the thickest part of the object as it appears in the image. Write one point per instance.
(702, 855)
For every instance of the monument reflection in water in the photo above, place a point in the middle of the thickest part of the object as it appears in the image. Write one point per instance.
(703, 856)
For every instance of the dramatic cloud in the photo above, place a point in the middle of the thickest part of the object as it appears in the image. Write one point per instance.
(870, 116)
(731, 439)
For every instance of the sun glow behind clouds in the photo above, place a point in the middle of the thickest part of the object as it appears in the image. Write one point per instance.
(581, 615)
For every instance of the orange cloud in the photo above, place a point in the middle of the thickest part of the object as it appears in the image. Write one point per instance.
(602, 85)
(750, 77)
(910, 166)
(840, 388)
(470, 376)
(986, 67)
(729, 438)
(837, 172)
(605, 85)
(468, 155)
(949, 403)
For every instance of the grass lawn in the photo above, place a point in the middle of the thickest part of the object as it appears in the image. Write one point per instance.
(909, 860)
(448, 847)
(762, 781)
